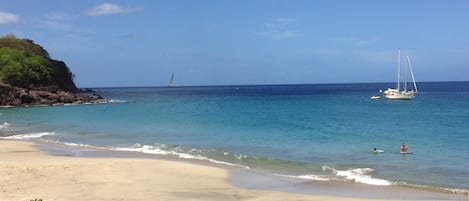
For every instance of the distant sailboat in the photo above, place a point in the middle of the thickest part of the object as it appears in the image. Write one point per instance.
(171, 82)
(397, 94)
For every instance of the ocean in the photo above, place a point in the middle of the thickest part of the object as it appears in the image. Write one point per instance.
(323, 132)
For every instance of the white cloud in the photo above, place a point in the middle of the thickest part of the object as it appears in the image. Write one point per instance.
(280, 28)
(110, 9)
(8, 18)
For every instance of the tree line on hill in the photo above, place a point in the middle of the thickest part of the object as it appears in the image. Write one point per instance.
(26, 64)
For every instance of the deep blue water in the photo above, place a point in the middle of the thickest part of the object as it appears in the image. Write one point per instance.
(322, 131)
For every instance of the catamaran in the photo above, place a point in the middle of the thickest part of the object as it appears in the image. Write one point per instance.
(171, 82)
(405, 94)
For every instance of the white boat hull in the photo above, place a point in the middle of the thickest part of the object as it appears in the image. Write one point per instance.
(394, 94)
(399, 97)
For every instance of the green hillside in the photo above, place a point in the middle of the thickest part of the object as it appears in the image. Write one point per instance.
(28, 65)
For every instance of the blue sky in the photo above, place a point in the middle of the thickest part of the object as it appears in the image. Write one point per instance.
(221, 42)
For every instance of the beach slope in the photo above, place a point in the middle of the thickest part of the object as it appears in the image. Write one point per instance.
(28, 173)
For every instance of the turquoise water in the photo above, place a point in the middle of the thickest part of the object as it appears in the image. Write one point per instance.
(317, 132)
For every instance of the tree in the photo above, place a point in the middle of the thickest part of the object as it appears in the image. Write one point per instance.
(10, 66)
(27, 46)
(26, 64)
(18, 70)
(38, 70)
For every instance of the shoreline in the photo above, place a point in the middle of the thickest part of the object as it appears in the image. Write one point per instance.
(31, 172)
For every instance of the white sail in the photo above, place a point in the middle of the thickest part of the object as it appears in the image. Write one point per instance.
(412, 74)
(171, 82)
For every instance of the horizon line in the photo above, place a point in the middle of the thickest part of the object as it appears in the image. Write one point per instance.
(267, 84)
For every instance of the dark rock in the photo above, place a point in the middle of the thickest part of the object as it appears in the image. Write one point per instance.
(27, 98)
(87, 90)
(15, 96)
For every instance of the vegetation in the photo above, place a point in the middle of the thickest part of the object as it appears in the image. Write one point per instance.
(26, 64)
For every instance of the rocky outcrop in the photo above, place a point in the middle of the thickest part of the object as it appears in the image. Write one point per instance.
(15, 96)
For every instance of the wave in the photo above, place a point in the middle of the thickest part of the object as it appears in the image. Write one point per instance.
(94, 102)
(307, 177)
(28, 136)
(148, 149)
(77, 145)
(116, 101)
(359, 175)
(4, 125)
(457, 191)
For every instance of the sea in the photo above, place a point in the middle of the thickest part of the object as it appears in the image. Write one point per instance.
(319, 132)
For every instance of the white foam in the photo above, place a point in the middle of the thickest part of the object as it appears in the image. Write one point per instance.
(154, 150)
(359, 175)
(327, 168)
(306, 177)
(116, 101)
(4, 125)
(78, 145)
(28, 136)
(457, 191)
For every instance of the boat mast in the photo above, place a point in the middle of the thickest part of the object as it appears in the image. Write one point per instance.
(412, 73)
(405, 77)
(398, 69)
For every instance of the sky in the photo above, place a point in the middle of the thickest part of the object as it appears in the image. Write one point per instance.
(118, 43)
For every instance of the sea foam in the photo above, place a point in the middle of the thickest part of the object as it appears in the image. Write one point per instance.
(28, 136)
(148, 149)
(78, 145)
(360, 175)
(306, 177)
(4, 125)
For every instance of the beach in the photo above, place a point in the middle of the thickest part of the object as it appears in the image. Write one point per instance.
(29, 173)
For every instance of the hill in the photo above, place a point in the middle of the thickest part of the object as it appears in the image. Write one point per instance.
(28, 76)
